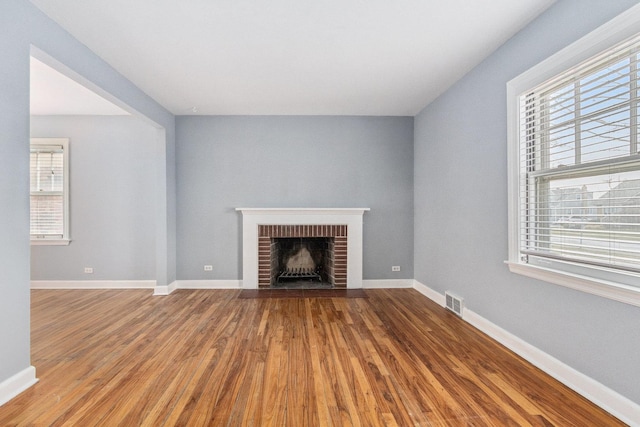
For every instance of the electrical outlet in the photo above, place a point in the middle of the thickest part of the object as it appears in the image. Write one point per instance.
(395, 268)
(88, 270)
(208, 268)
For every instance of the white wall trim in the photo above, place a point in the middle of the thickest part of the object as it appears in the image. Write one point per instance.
(13, 386)
(609, 400)
(387, 283)
(50, 242)
(615, 291)
(599, 394)
(165, 289)
(93, 284)
(237, 284)
(429, 293)
(209, 284)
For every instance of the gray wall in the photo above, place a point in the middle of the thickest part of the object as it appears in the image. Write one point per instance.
(113, 194)
(229, 162)
(23, 26)
(461, 200)
(14, 190)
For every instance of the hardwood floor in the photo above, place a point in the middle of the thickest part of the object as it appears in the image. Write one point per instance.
(207, 357)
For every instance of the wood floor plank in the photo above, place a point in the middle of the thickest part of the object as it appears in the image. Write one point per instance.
(323, 400)
(207, 357)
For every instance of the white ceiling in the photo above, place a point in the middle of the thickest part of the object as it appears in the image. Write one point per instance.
(331, 57)
(53, 93)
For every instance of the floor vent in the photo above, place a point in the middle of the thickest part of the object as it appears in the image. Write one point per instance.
(454, 303)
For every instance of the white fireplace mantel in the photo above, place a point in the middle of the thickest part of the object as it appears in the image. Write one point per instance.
(253, 217)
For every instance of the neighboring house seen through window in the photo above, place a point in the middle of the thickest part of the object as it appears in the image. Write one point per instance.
(49, 197)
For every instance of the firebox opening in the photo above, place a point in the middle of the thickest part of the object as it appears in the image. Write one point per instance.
(302, 262)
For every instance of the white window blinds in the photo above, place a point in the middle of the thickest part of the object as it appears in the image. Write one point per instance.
(580, 166)
(48, 190)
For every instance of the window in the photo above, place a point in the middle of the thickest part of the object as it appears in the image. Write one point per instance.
(49, 183)
(575, 168)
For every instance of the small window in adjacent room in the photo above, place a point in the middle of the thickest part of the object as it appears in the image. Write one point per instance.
(574, 160)
(49, 196)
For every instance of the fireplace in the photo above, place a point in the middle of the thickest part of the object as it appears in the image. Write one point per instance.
(313, 255)
(342, 229)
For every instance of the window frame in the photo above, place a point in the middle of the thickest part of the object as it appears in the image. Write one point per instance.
(617, 285)
(65, 239)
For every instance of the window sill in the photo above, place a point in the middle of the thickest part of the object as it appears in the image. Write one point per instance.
(615, 291)
(50, 242)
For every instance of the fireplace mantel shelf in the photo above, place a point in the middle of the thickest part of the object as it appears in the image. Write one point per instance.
(253, 217)
(303, 211)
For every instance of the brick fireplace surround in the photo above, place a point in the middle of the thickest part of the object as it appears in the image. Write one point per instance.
(337, 267)
(260, 225)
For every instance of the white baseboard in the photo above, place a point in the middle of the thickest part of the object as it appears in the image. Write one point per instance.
(209, 284)
(13, 386)
(387, 283)
(166, 289)
(93, 284)
(429, 293)
(237, 284)
(198, 284)
(609, 400)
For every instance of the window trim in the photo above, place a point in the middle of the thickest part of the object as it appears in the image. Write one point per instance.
(604, 37)
(65, 239)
